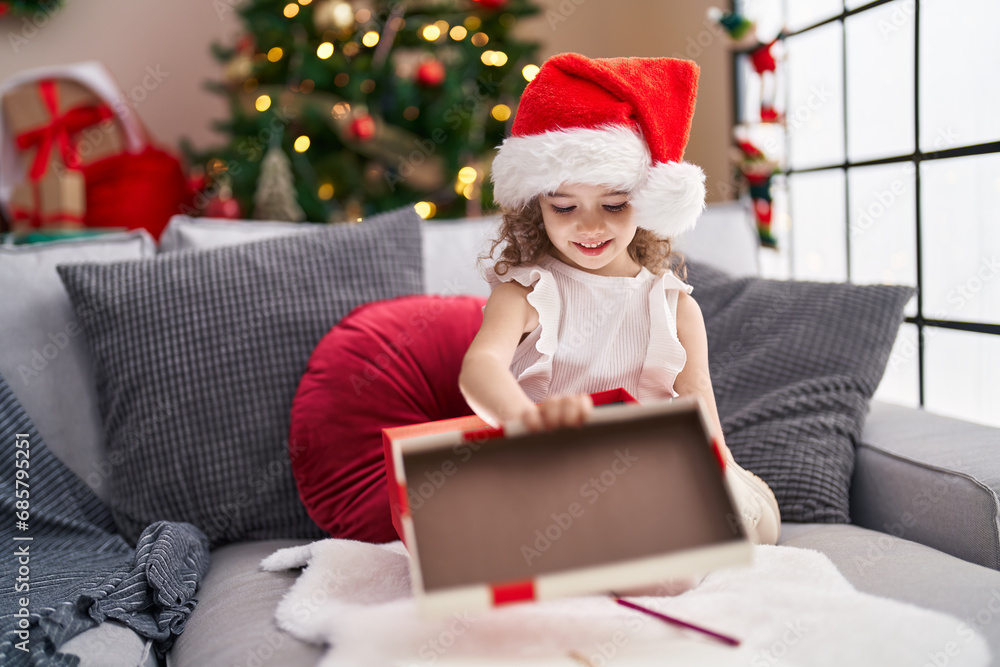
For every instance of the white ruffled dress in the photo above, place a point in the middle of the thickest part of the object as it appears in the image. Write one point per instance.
(597, 332)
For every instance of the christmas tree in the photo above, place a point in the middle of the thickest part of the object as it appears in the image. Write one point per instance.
(377, 104)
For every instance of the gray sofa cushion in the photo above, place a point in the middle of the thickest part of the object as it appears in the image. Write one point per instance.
(897, 568)
(198, 357)
(111, 644)
(234, 621)
(931, 479)
(44, 355)
(794, 365)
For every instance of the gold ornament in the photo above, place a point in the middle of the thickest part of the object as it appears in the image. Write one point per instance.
(238, 69)
(333, 14)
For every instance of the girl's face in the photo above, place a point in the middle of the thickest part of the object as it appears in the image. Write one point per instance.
(590, 227)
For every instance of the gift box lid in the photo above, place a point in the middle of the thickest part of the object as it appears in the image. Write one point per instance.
(632, 498)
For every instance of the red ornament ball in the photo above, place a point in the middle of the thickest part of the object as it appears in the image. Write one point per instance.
(431, 73)
(362, 127)
(492, 4)
(223, 207)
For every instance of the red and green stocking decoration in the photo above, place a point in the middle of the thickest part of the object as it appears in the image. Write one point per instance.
(757, 170)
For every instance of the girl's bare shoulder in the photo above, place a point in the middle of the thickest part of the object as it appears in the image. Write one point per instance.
(510, 299)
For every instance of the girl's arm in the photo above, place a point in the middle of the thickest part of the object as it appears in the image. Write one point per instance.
(750, 492)
(694, 379)
(485, 379)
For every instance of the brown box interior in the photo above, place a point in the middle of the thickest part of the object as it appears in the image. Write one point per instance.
(503, 510)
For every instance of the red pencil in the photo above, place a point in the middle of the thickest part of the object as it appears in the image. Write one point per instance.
(676, 621)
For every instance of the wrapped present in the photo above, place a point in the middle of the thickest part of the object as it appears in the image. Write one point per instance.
(47, 119)
(74, 154)
(632, 499)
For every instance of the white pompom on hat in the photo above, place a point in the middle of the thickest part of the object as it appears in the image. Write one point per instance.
(621, 123)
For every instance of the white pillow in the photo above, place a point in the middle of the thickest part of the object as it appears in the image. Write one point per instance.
(450, 247)
(44, 356)
(724, 237)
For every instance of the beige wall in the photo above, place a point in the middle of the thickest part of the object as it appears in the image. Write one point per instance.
(133, 37)
(651, 28)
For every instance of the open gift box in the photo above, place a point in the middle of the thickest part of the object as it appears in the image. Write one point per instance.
(631, 499)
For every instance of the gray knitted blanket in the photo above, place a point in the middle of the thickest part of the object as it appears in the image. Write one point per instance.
(65, 569)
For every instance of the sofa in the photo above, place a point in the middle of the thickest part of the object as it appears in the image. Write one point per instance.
(924, 512)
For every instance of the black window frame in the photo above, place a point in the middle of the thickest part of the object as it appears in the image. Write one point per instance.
(917, 157)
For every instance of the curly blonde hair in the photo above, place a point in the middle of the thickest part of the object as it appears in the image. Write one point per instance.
(526, 242)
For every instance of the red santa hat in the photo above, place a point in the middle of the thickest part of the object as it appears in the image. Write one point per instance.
(615, 122)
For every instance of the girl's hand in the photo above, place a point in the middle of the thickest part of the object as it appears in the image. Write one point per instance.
(556, 411)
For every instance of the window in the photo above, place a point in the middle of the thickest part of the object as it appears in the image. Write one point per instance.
(891, 157)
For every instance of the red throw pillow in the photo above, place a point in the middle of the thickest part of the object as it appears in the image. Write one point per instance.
(387, 363)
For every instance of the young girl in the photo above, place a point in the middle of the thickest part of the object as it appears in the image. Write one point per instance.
(591, 186)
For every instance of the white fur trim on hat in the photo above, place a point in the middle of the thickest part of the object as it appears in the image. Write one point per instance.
(667, 198)
(671, 200)
(614, 156)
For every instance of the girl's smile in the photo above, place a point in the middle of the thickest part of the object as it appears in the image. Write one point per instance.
(593, 250)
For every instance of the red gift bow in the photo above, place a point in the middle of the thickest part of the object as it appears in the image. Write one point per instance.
(58, 130)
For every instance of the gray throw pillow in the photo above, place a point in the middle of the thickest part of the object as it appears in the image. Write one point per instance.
(794, 365)
(199, 354)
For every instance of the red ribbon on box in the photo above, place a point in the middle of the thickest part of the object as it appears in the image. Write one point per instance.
(59, 129)
(57, 132)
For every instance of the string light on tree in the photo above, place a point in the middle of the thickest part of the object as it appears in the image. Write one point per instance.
(425, 209)
(500, 112)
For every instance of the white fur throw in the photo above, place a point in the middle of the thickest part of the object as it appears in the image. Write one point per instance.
(792, 607)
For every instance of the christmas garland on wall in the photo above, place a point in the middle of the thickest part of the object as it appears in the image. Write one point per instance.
(29, 7)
